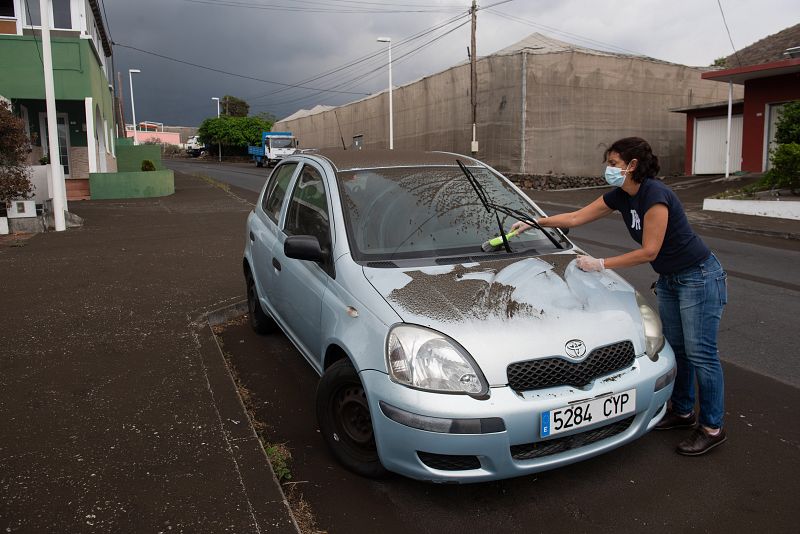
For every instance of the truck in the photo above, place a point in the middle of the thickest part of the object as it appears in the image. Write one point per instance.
(274, 147)
(194, 147)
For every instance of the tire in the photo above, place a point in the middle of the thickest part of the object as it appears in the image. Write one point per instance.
(259, 163)
(260, 322)
(344, 420)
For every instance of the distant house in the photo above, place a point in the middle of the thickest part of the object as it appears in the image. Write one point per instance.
(769, 70)
(82, 70)
(544, 107)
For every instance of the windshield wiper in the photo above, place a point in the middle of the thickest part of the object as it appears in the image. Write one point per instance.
(480, 191)
(484, 198)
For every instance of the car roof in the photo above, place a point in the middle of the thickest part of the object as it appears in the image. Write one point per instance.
(353, 159)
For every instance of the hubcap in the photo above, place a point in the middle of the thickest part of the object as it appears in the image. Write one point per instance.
(353, 413)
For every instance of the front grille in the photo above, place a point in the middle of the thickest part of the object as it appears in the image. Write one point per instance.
(449, 462)
(557, 371)
(529, 451)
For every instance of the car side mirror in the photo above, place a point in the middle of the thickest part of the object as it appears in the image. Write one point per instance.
(303, 247)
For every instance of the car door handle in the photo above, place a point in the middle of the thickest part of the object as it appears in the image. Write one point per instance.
(252, 237)
(276, 264)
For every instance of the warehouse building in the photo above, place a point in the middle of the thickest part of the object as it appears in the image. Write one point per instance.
(544, 108)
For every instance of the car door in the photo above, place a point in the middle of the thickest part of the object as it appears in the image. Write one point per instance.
(300, 285)
(264, 233)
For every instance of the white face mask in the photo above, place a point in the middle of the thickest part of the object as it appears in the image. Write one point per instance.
(615, 176)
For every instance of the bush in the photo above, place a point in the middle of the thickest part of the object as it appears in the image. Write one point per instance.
(15, 180)
(171, 150)
(148, 165)
(785, 171)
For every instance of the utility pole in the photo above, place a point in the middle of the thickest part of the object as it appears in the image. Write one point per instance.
(474, 77)
(119, 103)
(58, 190)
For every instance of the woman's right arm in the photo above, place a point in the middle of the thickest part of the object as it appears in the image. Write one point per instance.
(596, 210)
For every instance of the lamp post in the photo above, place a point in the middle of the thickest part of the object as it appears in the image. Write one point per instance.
(219, 143)
(391, 114)
(131, 72)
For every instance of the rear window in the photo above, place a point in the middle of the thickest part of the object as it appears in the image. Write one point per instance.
(423, 212)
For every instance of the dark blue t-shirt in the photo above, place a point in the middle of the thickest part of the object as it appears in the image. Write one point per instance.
(682, 248)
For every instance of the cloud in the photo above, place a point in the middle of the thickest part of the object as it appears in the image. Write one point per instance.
(292, 46)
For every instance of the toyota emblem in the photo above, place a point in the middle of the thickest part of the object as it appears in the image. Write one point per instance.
(576, 349)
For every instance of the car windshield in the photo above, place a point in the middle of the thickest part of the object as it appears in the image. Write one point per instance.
(278, 142)
(422, 212)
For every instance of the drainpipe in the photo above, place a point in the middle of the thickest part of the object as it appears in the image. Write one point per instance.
(728, 139)
(56, 171)
(524, 111)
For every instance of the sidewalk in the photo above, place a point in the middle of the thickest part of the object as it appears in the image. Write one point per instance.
(691, 190)
(117, 413)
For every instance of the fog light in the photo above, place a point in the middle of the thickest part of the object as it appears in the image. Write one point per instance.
(665, 379)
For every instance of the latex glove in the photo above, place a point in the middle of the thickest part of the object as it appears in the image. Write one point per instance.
(590, 264)
(519, 227)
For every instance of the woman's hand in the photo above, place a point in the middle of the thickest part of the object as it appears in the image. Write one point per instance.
(519, 227)
(590, 264)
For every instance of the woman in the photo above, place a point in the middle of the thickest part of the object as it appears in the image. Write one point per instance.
(691, 287)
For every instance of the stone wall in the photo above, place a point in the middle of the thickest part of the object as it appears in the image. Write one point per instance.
(79, 162)
(550, 181)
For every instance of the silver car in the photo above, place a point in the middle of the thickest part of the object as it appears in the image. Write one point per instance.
(439, 360)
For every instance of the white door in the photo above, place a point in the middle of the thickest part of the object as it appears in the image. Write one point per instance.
(774, 112)
(62, 123)
(709, 145)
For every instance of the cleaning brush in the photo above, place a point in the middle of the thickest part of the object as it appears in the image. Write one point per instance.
(497, 242)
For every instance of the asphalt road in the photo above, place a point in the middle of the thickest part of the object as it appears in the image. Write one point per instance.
(748, 483)
(760, 322)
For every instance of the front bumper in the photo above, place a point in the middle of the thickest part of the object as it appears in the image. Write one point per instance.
(479, 448)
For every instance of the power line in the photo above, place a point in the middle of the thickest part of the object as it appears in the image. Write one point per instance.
(573, 36)
(212, 69)
(735, 52)
(325, 8)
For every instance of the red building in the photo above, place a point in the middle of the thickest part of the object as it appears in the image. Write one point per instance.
(769, 71)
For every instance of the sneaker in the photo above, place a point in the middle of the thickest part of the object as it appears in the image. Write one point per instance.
(700, 442)
(673, 420)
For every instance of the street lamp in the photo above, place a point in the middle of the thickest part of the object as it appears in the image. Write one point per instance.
(219, 143)
(131, 72)
(391, 118)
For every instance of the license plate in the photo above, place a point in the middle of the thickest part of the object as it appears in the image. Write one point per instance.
(587, 413)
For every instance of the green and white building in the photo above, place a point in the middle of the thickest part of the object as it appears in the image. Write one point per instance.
(83, 91)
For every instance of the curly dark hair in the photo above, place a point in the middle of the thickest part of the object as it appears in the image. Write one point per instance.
(630, 148)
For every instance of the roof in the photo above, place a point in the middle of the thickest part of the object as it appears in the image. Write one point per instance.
(300, 113)
(711, 105)
(101, 29)
(767, 50)
(348, 160)
(740, 75)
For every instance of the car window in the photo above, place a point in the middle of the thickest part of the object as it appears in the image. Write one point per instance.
(308, 208)
(276, 190)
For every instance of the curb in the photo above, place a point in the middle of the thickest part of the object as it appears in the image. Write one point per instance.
(267, 502)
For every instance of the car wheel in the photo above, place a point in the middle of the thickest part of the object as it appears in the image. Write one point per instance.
(260, 322)
(345, 422)
(259, 163)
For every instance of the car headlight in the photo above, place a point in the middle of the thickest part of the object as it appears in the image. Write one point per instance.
(425, 359)
(653, 333)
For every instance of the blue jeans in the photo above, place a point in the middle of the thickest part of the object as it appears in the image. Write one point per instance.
(690, 303)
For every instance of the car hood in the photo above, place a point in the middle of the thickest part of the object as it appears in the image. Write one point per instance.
(510, 309)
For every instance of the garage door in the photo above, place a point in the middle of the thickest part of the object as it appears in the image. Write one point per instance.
(709, 145)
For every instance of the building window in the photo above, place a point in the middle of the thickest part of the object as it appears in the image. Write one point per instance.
(62, 14)
(7, 8)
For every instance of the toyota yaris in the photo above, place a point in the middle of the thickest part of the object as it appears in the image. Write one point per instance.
(441, 357)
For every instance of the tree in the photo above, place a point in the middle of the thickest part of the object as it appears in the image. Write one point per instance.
(15, 146)
(233, 107)
(233, 131)
(785, 171)
(720, 62)
(266, 116)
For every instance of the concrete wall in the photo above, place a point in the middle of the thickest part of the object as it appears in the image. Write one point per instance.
(172, 138)
(576, 104)
(131, 184)
(129, 158)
